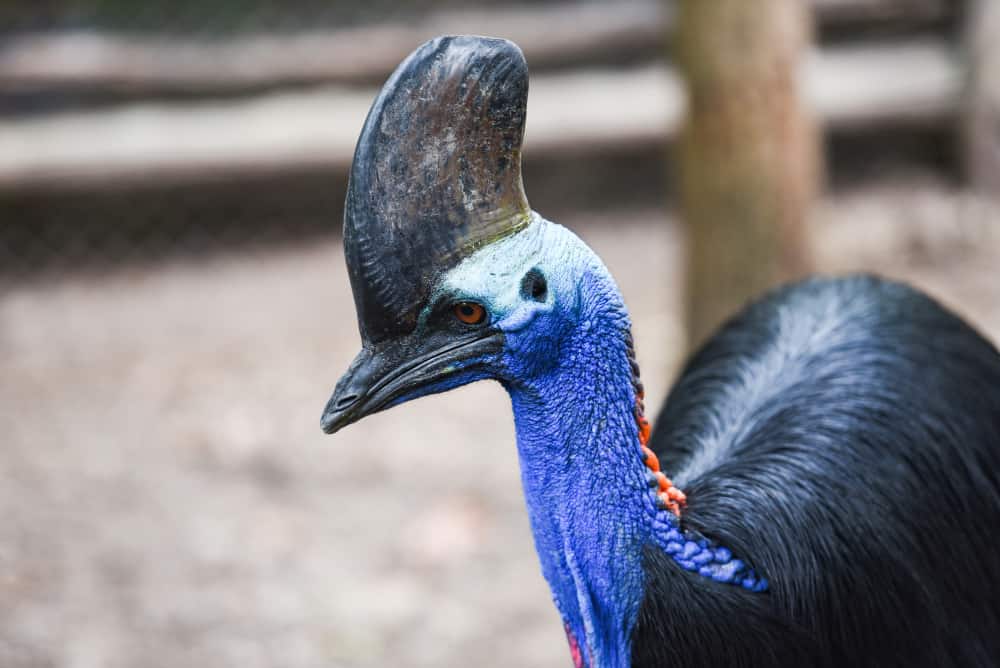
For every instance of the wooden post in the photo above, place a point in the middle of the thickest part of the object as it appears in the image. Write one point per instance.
(748, 153)
(981, 108)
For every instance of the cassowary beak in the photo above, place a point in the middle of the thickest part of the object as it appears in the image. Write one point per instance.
(380, 378)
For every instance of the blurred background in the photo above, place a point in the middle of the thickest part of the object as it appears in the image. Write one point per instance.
(174, 307)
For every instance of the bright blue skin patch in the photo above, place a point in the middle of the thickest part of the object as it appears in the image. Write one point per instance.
(589, 496)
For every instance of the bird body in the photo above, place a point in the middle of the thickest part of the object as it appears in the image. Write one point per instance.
(837, 443)
(844, 435)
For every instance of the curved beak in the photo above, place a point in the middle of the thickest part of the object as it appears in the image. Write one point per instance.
(403, 369)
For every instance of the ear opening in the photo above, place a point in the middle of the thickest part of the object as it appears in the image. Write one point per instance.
(534, 286)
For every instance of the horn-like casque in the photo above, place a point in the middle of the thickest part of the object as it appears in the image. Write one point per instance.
(436, 175)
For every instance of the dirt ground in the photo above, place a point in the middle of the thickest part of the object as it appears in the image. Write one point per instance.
(167, 497)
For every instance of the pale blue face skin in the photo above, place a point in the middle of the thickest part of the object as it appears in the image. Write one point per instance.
(492, 276)
(532, 327)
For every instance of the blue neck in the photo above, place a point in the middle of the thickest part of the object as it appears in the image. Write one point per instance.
(592, 501)
(592, 504)
(589, 501)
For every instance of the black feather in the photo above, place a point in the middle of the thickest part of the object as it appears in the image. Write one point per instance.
(844, 437)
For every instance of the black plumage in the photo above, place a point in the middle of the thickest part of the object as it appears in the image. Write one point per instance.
(844, 436)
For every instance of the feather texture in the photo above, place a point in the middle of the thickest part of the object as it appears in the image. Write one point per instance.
(845, 435)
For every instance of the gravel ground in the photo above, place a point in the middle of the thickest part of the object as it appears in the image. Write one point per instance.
(167, 497)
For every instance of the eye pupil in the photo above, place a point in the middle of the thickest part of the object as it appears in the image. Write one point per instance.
(470, 313)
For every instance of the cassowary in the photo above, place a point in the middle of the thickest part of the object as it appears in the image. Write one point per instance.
(837, 442)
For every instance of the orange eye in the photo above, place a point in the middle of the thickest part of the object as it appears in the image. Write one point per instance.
(470, 313)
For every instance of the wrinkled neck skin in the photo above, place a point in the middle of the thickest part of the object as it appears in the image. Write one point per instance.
(567, 371)
(585, 482)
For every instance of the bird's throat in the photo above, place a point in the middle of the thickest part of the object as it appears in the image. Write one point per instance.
(594, 492)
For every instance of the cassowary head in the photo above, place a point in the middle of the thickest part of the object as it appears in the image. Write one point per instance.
(455, 279)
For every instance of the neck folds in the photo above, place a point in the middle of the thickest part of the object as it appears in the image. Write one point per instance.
(592, 499)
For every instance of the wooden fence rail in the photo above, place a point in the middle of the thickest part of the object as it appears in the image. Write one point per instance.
(580, 111)
(550, 35)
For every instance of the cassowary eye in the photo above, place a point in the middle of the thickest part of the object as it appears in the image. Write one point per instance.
(533, 286)
(470, 313)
